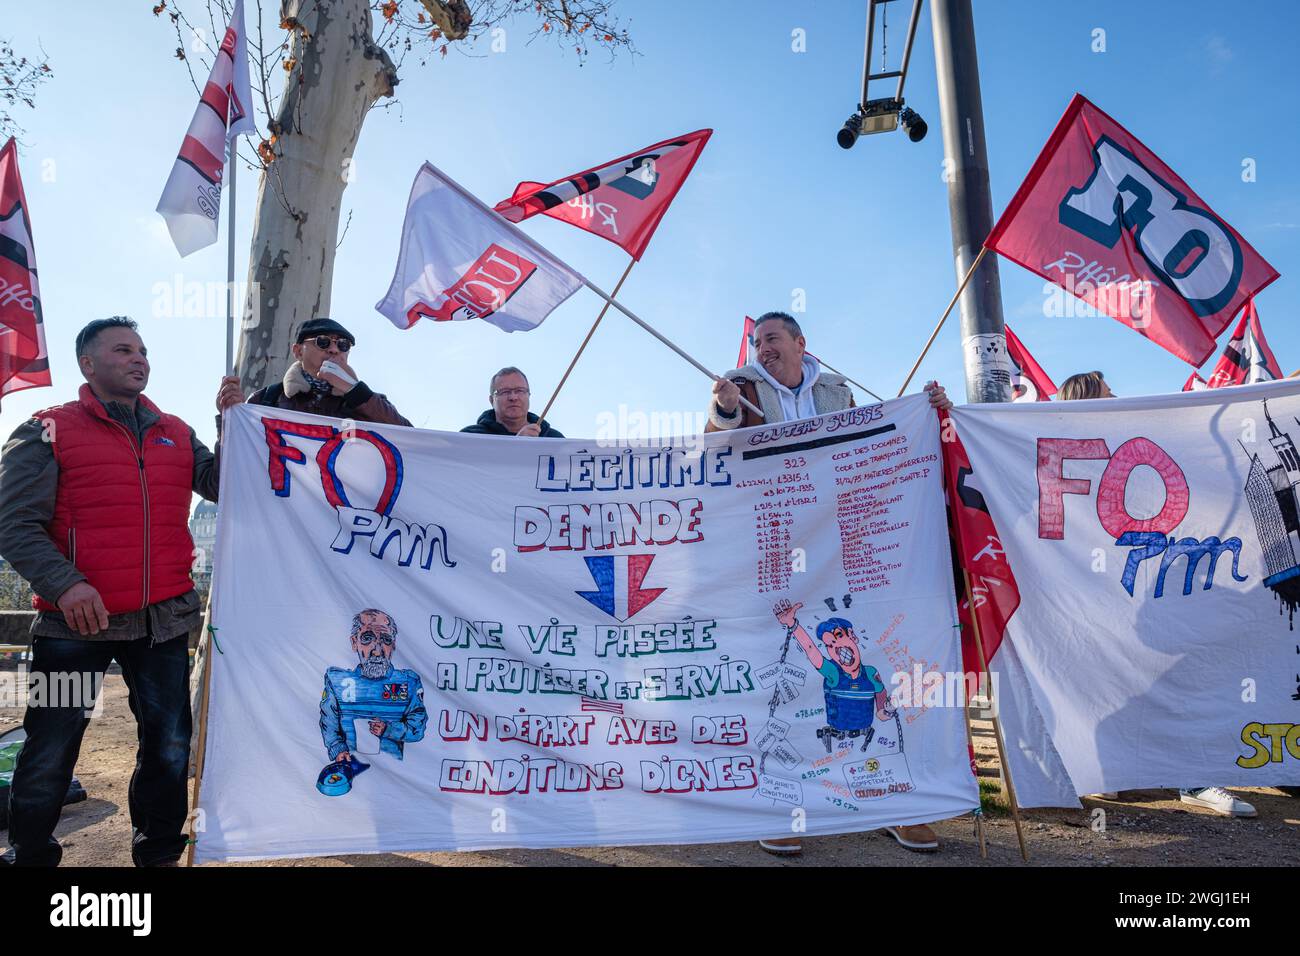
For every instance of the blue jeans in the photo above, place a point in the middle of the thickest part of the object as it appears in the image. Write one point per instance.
(157, 680)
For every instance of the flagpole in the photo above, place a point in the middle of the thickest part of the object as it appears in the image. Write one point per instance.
(534, 244)
(970, 744)
(997, 724)
(626, 311)
(201, 741)
(829, 367)
(590, 333)
(230, 264)
(943, 318)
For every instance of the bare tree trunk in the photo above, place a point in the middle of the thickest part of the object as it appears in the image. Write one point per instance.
(339, 74)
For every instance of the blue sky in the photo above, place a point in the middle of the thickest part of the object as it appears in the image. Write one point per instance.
(773, 206)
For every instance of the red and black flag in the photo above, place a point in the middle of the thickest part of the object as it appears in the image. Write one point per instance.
(24, 362)
(621, 201)
(1029, 383)
(994, 594)
(1246, 359)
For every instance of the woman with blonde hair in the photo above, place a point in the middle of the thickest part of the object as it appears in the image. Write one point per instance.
(1084, 385)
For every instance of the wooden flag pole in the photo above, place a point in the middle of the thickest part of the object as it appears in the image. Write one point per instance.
(970, 744)
(831, 368)
(230, 266)
(590, 333)
(668, 342)
(201, 743)
(943, 318)
(997, 724)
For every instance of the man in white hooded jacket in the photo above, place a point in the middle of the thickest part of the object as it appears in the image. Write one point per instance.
(784, 381)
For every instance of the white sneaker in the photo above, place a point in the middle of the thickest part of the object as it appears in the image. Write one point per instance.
(1218, 800)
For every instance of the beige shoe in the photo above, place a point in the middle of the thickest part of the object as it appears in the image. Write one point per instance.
(788, 846)
(919, 837)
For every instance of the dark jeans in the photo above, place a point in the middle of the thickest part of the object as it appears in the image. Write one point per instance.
(157, 679)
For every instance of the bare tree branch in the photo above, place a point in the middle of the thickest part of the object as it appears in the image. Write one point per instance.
(19, 78)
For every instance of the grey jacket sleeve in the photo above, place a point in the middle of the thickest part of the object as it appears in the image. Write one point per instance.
(29, 482)
(207, 467)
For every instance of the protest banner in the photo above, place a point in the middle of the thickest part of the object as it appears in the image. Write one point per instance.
(445, 641)
(1155, 542)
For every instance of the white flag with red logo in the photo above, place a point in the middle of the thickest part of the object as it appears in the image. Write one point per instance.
(23, 359)
(621, 201)
(1247, 359)
(1029, 383)
(460, 260)
(191, 200)
(1194, 383)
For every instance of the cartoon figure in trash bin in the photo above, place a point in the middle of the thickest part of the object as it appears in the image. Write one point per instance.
(381, 703)
(855, 694)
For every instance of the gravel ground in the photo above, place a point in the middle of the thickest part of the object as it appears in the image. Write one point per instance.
(1144, 828)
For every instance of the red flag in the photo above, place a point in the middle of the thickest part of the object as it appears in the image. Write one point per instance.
(979, 552)
(1194, 383)
(1104, 218)
(1029, 383)
(747, 356)
(621, 201)
(24, 362)
(1247, 359)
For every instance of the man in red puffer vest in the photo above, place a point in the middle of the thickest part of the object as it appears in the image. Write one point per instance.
(94, 511)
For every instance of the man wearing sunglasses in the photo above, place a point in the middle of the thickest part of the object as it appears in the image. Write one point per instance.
(509, 415)
(320, 382)
(374, 707)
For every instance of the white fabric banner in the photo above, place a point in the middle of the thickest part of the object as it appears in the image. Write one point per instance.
(191, 200)
(444, 641)
(459, 260)
(1156, 545)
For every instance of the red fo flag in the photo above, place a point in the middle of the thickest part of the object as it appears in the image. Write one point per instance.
(1194, 383)
(1247, 359)
(621, 201)
(979, 552)
(1029, 383)
(1104, 218)
(23, 359)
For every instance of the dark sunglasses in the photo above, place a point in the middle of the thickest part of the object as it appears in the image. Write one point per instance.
(324, 342)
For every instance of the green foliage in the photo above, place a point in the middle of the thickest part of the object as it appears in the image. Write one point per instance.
(15, 593)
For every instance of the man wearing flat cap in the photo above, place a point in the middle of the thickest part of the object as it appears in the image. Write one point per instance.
(321, 381)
